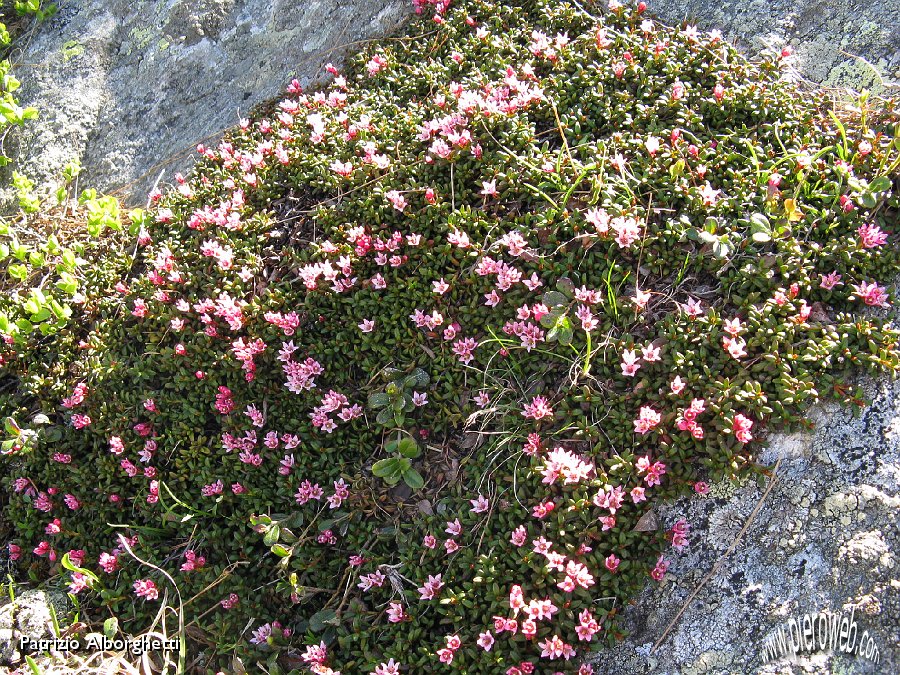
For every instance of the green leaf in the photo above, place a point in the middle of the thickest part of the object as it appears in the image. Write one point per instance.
(386, 467)
(880, 184)
(384, 416)
(111, 627)
(565, 333)
(409, 448)
(551, 318)
(17, 272)
(555, 299)
(272, 535)
(707, 237)
(722, 249)
(565, 286)
(413, 479)
(422, 378)
(318, 621)
(280, 550)
(378, 400)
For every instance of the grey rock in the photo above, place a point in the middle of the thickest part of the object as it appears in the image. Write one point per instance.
(825, 540)
(129, 88)
(840, 43)
(29, 616)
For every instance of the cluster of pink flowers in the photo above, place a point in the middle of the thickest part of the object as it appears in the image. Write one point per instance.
(146, 589)
(453, 643)
(561, 463)
(538, 409)
(332, 402)
(244, 351)
(301, 376)
(308, 491)
(192, 561)
(653, 471)
(631, 360)
(224, 255)
(587, 626)
(431, 588)
(647, 420)
(224, 402)
(530, 334)
(273, 629)
(688, 419)
(286, 322)
(741, 427)
(660, 569)
(871, 294)
(465, 349)
(678, 534)
(78, 395)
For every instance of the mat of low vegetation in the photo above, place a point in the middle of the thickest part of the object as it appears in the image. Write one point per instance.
(393, 380)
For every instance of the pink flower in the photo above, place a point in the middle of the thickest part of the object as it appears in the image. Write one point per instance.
(489, 188)
(660, 569)
(830, 280)
(647, 420)
(485, 640)
(677, 385)
(846, 203)
(397, 200)
(541, 510)
(630, 363)
(344, 169)
(479, 504)
(80, 421)
(395, 612)
(464, 348)
(735, 346)
(367, 326)
(612, 562)
(871, 294)
(429, 541)
(692, 308)
(391, 667)
(537, 409)
(652, 145)
(741, 427)
(146, 589)
(554, 648)
(701, 488)
(445, 655)
(587, 626)
(431, 588)
(518, 536)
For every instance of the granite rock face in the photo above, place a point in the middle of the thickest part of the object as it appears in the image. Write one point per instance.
(130, 88)
(836, 42)
(825, 539)
(27, 616)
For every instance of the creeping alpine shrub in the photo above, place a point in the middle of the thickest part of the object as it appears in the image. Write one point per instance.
(546, 262)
